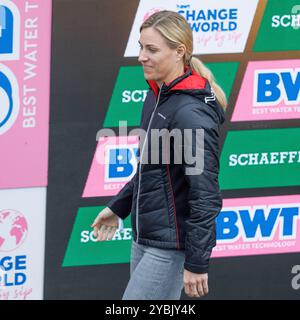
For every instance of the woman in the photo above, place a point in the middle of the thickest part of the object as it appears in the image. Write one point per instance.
(173, 211)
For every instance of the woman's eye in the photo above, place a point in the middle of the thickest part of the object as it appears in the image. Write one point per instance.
(152, 50)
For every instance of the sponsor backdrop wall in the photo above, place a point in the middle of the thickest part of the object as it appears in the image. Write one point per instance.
(253, 48)
(25, 28)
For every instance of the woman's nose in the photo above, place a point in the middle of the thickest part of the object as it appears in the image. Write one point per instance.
(142, 57)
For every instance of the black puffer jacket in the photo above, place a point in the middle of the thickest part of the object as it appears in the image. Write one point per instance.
(169, 208)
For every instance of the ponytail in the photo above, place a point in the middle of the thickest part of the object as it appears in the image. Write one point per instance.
(198, 66)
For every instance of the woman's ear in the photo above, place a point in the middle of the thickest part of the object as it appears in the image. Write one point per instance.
(180, 51)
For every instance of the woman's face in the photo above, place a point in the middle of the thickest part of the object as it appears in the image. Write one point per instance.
(160, 63)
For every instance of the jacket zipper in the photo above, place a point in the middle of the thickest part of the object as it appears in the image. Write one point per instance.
(140, 167)
(174, 207)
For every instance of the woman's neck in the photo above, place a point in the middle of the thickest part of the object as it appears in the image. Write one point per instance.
(171, 77)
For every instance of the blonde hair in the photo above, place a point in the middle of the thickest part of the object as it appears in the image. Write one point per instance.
(176, 31)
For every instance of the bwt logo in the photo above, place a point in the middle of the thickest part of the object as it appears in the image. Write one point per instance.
(257, 224)
(9, 99)
(9, 31)
(274, 86)
(121, 163)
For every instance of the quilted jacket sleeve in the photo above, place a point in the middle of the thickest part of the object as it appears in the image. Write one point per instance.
(204, 198)
(121, 203)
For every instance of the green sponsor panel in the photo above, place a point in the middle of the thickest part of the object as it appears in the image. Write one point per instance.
(280, 27)
(127, 98)
(131, 89)
(260, 158)
(82, 248)
(224, 73)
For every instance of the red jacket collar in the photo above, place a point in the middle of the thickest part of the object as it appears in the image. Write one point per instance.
(190, 80)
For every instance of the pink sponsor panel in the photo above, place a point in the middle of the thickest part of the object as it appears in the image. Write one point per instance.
(270, 91)
(24, 92)
(114, 164)
(254, 226)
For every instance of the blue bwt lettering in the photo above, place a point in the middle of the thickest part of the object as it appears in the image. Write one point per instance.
(6, 31)
(229, 223)
(269, 87)
(119, 162)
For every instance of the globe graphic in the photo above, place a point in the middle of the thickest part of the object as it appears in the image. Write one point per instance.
(13, 229)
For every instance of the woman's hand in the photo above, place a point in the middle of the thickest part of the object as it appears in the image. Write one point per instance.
(105, 225)
(195, 284)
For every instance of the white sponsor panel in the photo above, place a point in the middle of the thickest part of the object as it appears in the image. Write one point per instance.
(22, 243)
(218, 26)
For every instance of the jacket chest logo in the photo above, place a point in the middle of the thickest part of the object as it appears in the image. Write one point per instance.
(161, 115)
